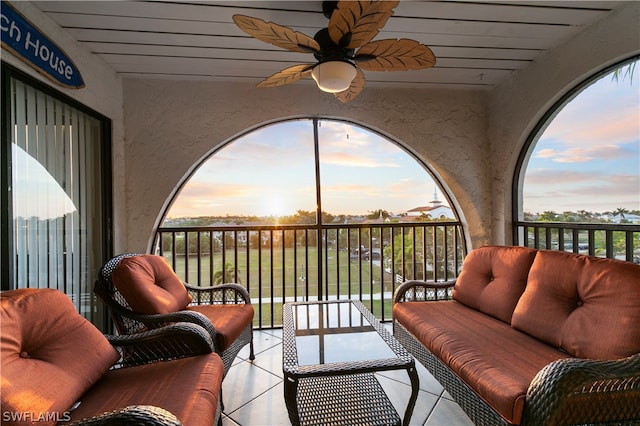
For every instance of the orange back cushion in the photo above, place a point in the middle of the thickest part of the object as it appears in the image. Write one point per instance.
(587, 306)
(149, 285)
(493, 279)
(50, 355)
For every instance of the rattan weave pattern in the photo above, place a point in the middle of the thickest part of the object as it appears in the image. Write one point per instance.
(127, 321)
(344, 400)
(416, 291)
(140, 415)
(579, 391)
(173, 341)
(344, 393)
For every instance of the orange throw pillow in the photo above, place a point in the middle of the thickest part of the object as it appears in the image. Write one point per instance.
(493, 279)
(587, 306)
(50, 356)
(149, 285)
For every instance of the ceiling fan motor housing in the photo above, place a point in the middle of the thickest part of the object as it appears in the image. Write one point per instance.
(329, 51)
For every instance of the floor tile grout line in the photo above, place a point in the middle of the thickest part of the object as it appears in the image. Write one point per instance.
(261, 368)
(252, 400)
(440, 397)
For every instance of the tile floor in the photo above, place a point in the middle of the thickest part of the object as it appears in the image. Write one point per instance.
(254, 392)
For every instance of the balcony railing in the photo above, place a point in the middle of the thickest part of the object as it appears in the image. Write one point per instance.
(615, 241)
(278, 264)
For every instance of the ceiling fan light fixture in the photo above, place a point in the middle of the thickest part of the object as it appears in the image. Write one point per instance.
(334, 76)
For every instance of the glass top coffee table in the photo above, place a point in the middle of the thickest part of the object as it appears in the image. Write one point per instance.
(331, 351)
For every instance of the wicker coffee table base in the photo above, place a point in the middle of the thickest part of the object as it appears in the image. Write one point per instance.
(355, 399)
(343, 392)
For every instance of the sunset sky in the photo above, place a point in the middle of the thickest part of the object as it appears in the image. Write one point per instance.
(588, 158)
(271, 172)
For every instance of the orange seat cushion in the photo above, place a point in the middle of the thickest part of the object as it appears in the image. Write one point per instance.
(189, 388)
(588, 306)
(149, 285)
(495, 360)
(228, 320)
(50, 354)
(493, 278)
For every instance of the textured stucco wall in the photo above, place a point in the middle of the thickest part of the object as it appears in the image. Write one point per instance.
(517, 105)
(171, 125)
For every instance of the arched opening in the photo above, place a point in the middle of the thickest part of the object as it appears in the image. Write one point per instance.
(578, 179)
(312, 209)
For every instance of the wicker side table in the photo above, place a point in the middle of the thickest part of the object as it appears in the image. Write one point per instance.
(331, 351)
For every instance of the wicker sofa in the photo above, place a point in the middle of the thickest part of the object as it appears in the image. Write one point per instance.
(57, 368)
(530, 337)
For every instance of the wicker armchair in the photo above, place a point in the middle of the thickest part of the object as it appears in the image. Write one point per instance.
(212, 298)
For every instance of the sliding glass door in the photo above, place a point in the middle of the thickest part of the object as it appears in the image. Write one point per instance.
(58, 194)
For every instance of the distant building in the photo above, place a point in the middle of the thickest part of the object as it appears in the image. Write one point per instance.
(435, 210)
(626, 218)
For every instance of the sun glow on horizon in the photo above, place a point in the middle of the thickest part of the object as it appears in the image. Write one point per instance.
(276, 204)
(271, 172)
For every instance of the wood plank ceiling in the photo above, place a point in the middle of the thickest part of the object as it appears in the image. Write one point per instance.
(477, 44)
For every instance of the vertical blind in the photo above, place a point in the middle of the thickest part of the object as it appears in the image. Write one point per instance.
(57, 203)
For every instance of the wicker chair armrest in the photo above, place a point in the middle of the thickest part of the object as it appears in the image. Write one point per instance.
(580, 391)
(416, 290)
(229, 293)
(143, 415)
(161, 320)
(179, 340)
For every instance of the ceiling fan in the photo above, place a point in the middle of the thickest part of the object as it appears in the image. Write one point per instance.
(343, 49)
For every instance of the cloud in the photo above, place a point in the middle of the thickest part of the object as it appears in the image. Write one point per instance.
(350, 190)
(585, 154)
(605, 112)
(547, 176)
(573, 159)
(588, 184)
(202, 198)
(196, 189)
(570, 190)
(616, 125)
(347, 159)
(545, 153)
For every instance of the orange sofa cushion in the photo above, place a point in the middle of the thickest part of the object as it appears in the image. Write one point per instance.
(188, 388)
(588, 306)
(494, 359)
(493, 279)
(149, 285)
(50, 355)
(228, 320)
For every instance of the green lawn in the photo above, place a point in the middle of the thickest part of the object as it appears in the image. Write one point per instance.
(294, 274)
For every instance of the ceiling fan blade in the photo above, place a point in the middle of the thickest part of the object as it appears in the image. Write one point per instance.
(287, 76)
(354, 90)
(355, 23)
(394, 55)
(277, 35)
